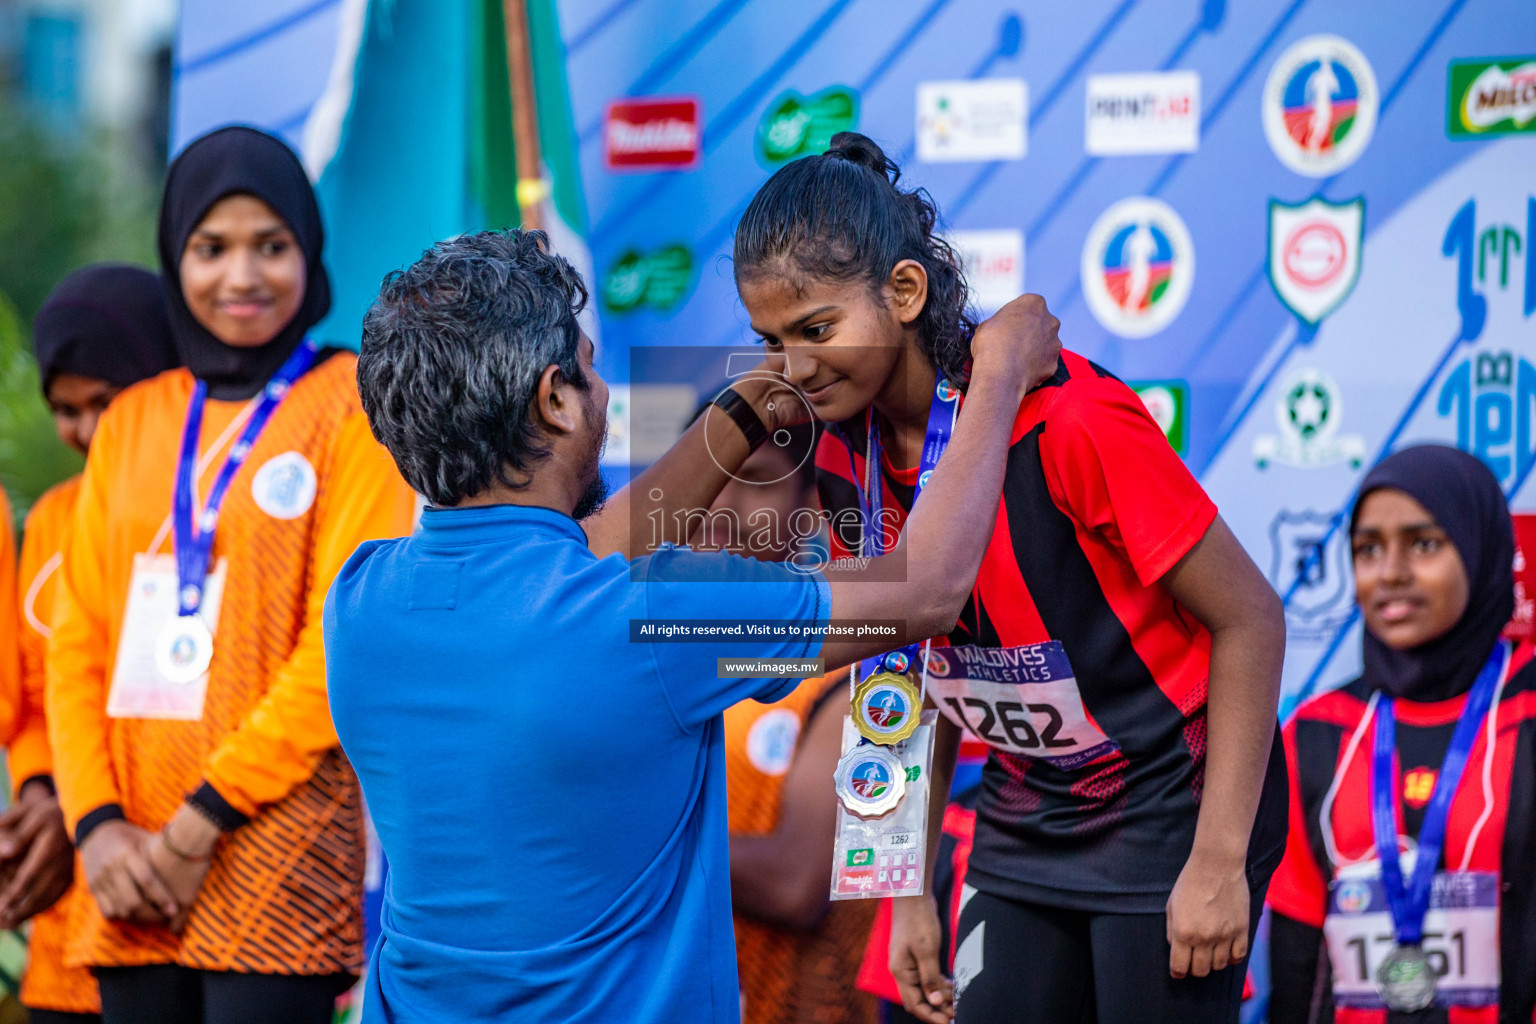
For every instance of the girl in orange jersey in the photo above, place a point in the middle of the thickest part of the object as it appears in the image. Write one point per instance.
(102, 329)
(218, 823)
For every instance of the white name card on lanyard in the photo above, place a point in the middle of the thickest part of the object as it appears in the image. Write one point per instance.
(172, 611)
(139, 688)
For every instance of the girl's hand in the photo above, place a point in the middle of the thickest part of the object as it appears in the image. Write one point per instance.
(119, 874)
(181, 854)
(1208, 916)
(915, 934)
(1017, 344)
(34, 842)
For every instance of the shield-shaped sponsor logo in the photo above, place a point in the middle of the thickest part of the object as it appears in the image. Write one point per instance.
(1309, 412)
(1314, 254)
(1309, 567)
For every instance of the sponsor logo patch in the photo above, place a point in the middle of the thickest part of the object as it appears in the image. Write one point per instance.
(979, 119)
(1143, 113)
(652, 134)
(1490, 97)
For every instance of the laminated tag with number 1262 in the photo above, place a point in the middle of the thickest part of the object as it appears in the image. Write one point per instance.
(887, 856)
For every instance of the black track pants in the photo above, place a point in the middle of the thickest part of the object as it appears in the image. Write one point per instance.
(1044, 965)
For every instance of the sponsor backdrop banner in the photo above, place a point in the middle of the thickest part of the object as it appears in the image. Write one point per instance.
(1302, 230)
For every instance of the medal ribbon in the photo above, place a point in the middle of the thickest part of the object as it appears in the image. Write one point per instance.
(942, 412)
(194, 536)
(1409, 900)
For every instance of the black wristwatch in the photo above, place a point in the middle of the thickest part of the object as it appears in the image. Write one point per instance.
(744, 416)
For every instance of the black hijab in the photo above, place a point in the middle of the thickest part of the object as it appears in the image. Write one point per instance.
(1467, 502)
(226, 162)
(108, 322)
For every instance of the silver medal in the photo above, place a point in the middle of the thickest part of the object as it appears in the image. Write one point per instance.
(870, 780)
(184, 649)
(1405, 980)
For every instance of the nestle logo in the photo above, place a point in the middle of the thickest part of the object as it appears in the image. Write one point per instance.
(652, 133)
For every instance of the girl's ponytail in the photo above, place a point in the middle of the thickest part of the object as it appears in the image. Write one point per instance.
(841, 216)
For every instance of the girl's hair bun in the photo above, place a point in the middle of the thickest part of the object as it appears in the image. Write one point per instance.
(862, 150)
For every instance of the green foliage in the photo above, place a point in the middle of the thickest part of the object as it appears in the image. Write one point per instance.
(62, 205)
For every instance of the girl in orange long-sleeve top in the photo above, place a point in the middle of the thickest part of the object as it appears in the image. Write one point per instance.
(102, 329)
(219, 825)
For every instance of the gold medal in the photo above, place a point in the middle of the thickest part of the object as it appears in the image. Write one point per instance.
(886, 707)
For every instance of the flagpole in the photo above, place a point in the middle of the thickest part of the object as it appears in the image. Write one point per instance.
(531, 187)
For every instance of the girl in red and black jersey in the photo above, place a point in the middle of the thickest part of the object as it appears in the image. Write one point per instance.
(1121, 654)
(1430, 755)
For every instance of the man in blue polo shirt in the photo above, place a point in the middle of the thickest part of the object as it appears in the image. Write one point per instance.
(550, 794)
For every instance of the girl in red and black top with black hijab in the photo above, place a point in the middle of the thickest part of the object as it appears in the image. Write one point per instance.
(1433, 552)
(1133, 806)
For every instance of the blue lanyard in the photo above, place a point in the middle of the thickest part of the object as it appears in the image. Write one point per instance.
(1409, 900)
(942, 411)
(194, 539)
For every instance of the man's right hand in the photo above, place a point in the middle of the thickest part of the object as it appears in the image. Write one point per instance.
(1018, 344)
(915, 935)
(117, 869)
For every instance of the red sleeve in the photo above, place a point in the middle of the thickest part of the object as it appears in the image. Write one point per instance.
(1297, 889)
(1110, 467)
(833, 470)
(874, 970)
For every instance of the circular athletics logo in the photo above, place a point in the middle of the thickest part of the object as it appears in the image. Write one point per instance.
(284, 487)
(938, 665)
(1319, 105)
(922, 479)
(1315, 254)
(897, 661)
(1138, 267)
(946, 391)
(771, 741)
(870, 779)
(886, 708)
(183, 651)
(1354, 896)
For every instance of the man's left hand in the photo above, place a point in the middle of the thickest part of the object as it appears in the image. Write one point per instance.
(38, 856)
(1208, 915)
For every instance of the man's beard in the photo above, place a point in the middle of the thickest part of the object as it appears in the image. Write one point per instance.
(597, 488)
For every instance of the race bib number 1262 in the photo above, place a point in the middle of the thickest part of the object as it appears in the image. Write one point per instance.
(1022, 700)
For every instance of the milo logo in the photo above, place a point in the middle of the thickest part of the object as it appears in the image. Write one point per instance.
(795, 125)
(659, 279)
(1491, 97)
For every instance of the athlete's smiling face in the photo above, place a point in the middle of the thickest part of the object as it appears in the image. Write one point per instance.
(242, 272)
(1409, 578)
(841, 340)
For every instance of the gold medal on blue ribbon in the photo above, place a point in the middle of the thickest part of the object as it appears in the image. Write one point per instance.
(886, 706)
